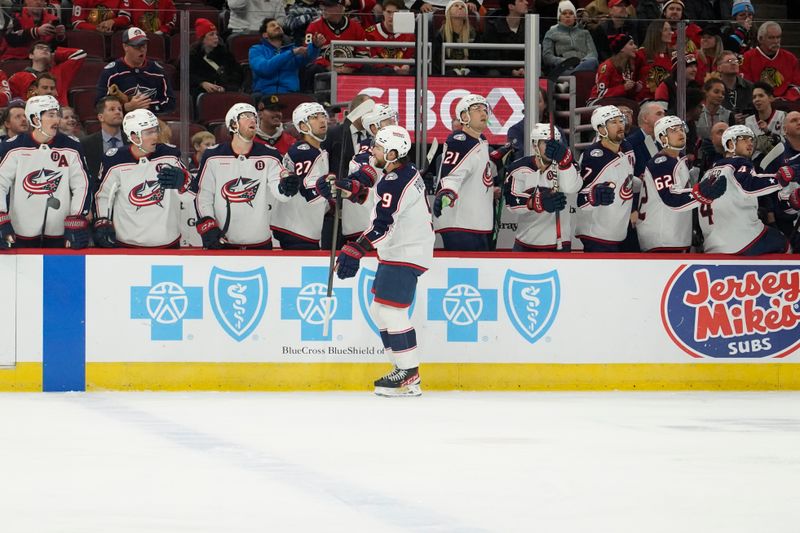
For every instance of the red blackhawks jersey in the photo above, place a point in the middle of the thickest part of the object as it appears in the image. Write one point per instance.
(378, 33)
(154, 15)
(66, 63)
(348, 30)
(781, 71)
(87, 14)
(609, 82)
(651, 73)
(5, 91)
(24, 31)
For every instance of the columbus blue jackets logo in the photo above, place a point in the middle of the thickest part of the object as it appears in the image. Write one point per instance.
(532, 302)
(146, 193)
(366, 278)
(240, 190)
(626, 192)
(733, 311)
(488, 181)
(44, 181)
(238, 300)
(147, 92)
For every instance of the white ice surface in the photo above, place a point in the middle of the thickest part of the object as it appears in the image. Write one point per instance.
(351, 462)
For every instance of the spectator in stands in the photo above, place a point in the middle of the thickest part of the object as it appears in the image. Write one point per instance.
(711, 149)
(668, 89)
(673, 12)
(109, 114)
(642, 139)
(709, 52)
(648, 11)
(103, 16)
(246, 14)
(334, 25)
(299, 15)
(44, 84)
(212, 68)
(770, 63)
(616, 76)
(5, 90)
(694, 109)
(156, 17)
(654, 59)
(565, 40)
(70, 124)
(363, 11)
(627, 114)
(506, 26)
(384, 31)
(140, 83)
(766, 122)
(713, 111)
(63, 64)
(457, 28)
(706, 10)
(276, 62)
(737, 89)
(164, 132)
(13, 119)
(200, 142)
(616, 23)
(740, 36)
(270, 124)
(32, 23)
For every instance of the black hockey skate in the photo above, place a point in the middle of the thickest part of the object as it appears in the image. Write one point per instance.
(399, 382)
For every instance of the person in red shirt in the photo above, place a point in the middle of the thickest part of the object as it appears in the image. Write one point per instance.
(709, 52)
(63, 64)
(673, 12)
(103, 16)
(270, 124)
(654, 58)
(156, 16)
(616, 76)
(383, 32)
(770, 63)
(32, 23)
(334, 25)
(5, 91)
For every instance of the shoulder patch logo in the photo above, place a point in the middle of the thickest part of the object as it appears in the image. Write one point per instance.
(596, 153)
(390, 176)
(660, 159)
(303, 146)
(460, 137)
(111, 151)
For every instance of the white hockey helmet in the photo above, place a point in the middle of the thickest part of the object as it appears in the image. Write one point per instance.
(304, 111)
(137, 121)
(380, 113)
(232, 116)
(603, 114)
(541, 132)
(663, 125)
(733, 133)
(36, 105)
(394, 138)
(468, 101)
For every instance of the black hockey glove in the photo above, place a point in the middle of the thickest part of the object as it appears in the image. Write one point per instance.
(210, 233)
(349, 259)
(444, 198)
(76, 232)
(542, 200)
(7, 235)
(171, 177)
(104, 234)
(709, 190)
(602, 194)
(289, 185)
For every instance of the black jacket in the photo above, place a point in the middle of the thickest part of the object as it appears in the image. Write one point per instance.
(228, 73)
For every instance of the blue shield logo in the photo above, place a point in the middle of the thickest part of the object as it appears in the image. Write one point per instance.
(365, 297)
(238, 300)
(531, 302)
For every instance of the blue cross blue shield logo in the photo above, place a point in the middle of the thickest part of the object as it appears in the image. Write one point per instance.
(309, 305)
(238, 300)
(531, 302)
(462, 304)
(365, 297)
(166, 303)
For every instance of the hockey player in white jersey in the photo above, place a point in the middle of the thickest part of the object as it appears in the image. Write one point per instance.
(535, 189)
(401, 232)
(731, 225)
(604, 203)
(137, 204)
(464, 205)
(44, 184)
(357, 212)
(240, 183)
(297, 223)
(667, 197)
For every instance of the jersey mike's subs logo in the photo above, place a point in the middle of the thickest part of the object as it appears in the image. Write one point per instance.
(146, 193)
(240, 190)
(44, 181)
(733, 311)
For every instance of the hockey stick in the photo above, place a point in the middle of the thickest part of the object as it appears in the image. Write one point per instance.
(498, 211)
(54, 203)
(552, 77)
(347, 139)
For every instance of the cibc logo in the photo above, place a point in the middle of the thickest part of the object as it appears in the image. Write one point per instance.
(733, 311)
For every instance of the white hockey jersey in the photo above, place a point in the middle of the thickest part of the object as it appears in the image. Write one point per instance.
(605, 223)
(240, 191)
(466, 171)
(665, 205)
(31, 173)
(301, 216)
(145, 214)
(731, 223)
(538, 230)
(774, 126)
(400, 228)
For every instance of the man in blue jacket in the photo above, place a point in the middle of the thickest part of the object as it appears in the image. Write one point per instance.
(275, 62)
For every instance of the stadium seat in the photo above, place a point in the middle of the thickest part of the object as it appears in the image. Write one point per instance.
(204, 12)
(221, 133)
(91, 126)
(156, 47)
(211, 107)
(175, 48)
(292, 100)
(172, 74)
(12, 66)
(175, 126)
(88, 74)
(82, 101)
(92, 42)
(239, 46)
(175, 114)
